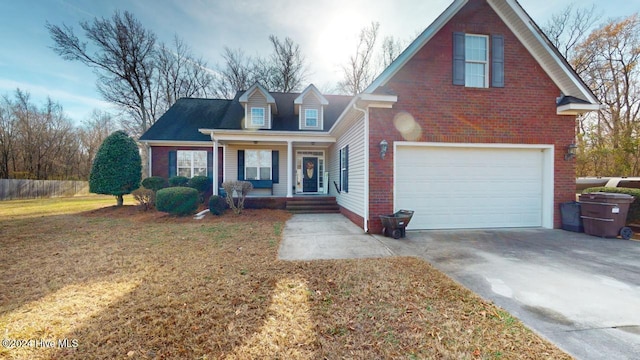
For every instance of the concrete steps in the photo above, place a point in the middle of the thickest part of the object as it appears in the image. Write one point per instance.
(313, 205)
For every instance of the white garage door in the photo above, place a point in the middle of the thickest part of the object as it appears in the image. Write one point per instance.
(464, 187)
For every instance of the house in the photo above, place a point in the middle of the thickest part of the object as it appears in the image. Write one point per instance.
(470, 127)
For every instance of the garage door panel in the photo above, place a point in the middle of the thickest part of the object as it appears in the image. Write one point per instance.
(469, 187)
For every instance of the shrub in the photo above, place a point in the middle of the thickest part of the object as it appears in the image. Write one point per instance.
(217, 205)
(178, 181)
(241, 189)
(633, 215)
(177, 200)
(202, 184)
(155, 183)
(117, 168)
(146, 198)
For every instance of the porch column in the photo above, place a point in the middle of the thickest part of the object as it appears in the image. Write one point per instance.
(289, 169)
(215, 166)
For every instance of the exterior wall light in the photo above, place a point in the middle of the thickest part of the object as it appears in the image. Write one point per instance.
(571, 151)
(384, 145)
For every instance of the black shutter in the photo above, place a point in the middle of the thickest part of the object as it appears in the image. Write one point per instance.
(240, 164)
(210, 164)
(458, 58)
(497, 61)
(173, 164)
(346, 165)
(275, 161)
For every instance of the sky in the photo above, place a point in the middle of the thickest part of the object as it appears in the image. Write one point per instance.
(326, 31)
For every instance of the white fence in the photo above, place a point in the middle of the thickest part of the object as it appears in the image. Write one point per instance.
(29, 189)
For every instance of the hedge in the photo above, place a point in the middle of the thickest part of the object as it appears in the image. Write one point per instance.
(177, 200)
(634, 209)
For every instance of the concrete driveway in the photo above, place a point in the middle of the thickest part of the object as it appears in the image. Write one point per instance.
(580, 292)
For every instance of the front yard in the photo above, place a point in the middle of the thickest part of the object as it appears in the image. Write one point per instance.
(81, 280)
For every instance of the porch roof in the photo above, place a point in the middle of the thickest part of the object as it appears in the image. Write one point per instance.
(244, 136)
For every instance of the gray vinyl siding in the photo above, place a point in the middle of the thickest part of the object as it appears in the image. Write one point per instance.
(231, 168)
(353, 136)
(311, 101)
(257, 100)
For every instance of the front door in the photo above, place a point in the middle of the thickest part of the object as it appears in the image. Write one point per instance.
(310, 174)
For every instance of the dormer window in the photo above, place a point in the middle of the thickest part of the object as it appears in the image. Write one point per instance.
(311, 118)
(257, 116)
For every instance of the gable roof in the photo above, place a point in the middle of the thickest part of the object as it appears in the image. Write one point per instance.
(183, 119)
(527, 32)
(311, 89)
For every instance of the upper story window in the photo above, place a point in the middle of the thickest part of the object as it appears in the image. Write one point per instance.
(191, 163)
(311, 118)
(476, 54)
(257, 116)
(478, 60)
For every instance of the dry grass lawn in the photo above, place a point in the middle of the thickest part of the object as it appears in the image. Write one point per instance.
(81, 280)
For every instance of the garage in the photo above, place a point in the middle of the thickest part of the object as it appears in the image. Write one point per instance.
(472, 186)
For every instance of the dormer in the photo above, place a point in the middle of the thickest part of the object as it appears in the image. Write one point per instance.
(309, 107)
(259, 107)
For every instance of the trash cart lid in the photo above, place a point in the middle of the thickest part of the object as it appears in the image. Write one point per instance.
(608, 196)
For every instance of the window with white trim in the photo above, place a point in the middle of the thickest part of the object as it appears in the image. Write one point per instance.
(191, 163)
(311, 118)
(476, 54)
(257, 164)
(344, 169)
(257, 116)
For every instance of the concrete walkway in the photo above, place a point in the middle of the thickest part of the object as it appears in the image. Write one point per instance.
(580, 292)
(327, 236)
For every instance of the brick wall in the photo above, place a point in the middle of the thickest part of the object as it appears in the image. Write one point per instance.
(524, 111)
(160, 159)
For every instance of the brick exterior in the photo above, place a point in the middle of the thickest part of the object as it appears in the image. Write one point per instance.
(160, 159)
(523, 112)
(355, 218)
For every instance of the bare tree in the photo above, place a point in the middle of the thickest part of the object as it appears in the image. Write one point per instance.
(391, 49)
(360, 70)
(7, 137)
(236, 73)
(569, 28)
(180, 74)
(122, 54)
(287, 65)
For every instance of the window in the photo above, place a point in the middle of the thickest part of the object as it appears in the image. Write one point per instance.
(344, 169)
(257, 165)
(311, 118)
(257, 116)
(473, 56)
(476, 55)
(191, 163)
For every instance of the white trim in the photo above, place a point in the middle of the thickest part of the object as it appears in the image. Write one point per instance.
(244, 98)
(548, 177)
(289, 169)
(150, 155)
(366, 100)
(214, 167)
(576, 109)
(485, 62)
(252, 124)
(311, 88)
(177, 143)
(365, 113)
(321, 155)
(269, 136)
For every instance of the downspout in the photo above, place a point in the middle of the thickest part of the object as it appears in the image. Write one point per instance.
(365, 112)
(149, 160)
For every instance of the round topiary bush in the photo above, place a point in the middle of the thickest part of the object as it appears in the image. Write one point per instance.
(155, 183)
(202, 184)
(178, 181)
(178, 200)
(217, 205)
